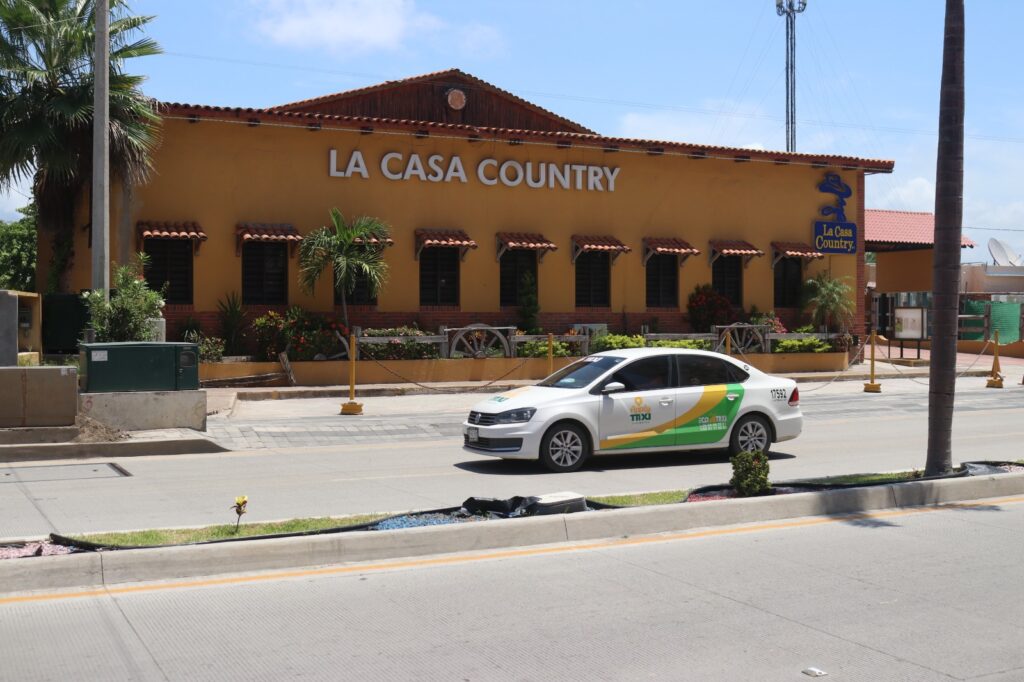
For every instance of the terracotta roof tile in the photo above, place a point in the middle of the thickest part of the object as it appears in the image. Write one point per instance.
(356, 123)
(477, 82)
(150, 229)
(903, 227)
(449, 238)
(526, 240)
(267, 232)
(796, 250)
(387, 241)
(678, 247)
(735, 248)
(599, 243)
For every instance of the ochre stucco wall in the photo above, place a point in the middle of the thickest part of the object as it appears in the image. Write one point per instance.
(903, 271)
(219, 174)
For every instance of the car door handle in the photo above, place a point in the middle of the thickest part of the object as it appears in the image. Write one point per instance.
(666, 401)
(731, 396)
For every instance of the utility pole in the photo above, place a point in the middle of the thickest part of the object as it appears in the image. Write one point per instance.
(789, 9)
(101, 152)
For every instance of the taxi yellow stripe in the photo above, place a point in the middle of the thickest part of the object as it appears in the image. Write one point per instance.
(711, 396)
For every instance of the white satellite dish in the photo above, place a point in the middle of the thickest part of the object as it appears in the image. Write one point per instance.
(1002, 253)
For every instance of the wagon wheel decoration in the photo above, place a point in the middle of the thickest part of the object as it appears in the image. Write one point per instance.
(746, 338)
(479, 341)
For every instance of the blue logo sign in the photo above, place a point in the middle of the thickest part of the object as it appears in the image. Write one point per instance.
(836, 235)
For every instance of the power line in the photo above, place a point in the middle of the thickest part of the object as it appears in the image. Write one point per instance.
(607, 101)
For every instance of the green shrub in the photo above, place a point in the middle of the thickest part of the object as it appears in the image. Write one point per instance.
(211, 348)
(232, 324)
(615, 342)
(306, 336)
(808, 345)
(805, 329)
(750, 474)
(768, 319)
(707, 308)
(692, 344)
(189, 327)
(529, 307)
(269, 332)
(398, 350)
(539, 349)
(126, 316)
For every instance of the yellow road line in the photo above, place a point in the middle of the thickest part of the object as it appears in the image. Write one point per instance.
(502, 554)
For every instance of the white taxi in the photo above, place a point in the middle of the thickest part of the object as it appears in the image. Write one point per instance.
(637, 400)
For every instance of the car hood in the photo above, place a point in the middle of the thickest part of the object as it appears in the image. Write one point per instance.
(526, 396)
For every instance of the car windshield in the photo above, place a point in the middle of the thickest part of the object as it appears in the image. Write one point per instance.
(582, 372)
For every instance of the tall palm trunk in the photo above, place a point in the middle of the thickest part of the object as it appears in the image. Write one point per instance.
(344, 310)
(949, 187)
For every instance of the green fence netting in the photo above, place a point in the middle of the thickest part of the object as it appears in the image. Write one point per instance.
(1005, 318)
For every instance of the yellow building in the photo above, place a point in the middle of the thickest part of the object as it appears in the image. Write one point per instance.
(478, 187)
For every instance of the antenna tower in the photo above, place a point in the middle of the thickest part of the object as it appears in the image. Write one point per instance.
(789, 9)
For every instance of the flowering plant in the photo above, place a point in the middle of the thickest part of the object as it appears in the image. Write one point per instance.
(306, 336)
(708, 308)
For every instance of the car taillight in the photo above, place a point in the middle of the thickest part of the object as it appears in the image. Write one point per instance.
(794, 399)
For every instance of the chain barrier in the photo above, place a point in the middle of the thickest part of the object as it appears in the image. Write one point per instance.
(824, 385)
(445, 390)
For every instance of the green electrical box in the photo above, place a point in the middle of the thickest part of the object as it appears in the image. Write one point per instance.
(138, 366)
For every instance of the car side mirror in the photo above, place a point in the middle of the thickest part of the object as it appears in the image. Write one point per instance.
(613, 387)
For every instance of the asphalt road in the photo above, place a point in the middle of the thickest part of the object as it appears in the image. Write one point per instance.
(907, 595)
(388, 461)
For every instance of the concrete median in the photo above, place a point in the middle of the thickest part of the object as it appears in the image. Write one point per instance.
(196, 561)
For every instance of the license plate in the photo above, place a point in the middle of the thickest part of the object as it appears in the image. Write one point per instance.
(473, 434)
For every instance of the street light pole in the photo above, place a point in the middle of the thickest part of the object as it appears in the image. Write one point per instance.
(101, 152)
(789, 9)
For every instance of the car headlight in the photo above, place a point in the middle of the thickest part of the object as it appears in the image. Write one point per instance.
(523, 414)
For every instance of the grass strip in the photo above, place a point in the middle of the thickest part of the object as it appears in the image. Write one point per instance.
(864, 479)
(177, 536)
(642, 499)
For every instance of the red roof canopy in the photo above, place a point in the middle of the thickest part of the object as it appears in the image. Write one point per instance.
(600, 243)
(902, 227)
(796, 250)
(735, 248)
(450, 238)
(149, 229)
(671, 246)
(526, 240)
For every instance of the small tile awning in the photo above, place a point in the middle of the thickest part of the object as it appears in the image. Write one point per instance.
(793, 250)
(745, 250)
(387, 241)
(658, 246)
(190, 230)
(454, 239)
(524, 241)
(167, 230)
(584, 243)
(266, 232)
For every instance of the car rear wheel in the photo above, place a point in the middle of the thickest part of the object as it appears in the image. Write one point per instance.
(751, 434)
(564, 448)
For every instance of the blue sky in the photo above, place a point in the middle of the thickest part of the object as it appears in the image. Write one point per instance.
(708, 72)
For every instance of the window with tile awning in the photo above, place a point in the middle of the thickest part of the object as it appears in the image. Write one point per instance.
(170, 247)
(788, 259)
(518, 256)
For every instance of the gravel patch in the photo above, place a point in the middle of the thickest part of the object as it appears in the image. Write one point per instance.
(32, 549)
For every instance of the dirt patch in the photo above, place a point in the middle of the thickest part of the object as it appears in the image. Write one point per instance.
(92, 431)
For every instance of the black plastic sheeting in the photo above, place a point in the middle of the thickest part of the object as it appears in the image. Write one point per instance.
(484, 508)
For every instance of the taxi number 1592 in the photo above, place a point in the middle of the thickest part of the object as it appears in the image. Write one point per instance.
(778, 394)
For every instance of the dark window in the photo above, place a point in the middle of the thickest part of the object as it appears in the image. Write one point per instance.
(170, 262)
(789, 273)
(439, 276)
(593, 280)
(704, 370)
(647, 374)
(265, 274)
(727, 278)
(663, 281)
(514, 266)
(358, 296)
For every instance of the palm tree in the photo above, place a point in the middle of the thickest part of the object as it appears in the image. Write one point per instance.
(949, 205)
(829, 301)
(46, 105)
(355, 251)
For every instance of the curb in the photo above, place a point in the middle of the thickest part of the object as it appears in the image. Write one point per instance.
(195, 561)
(125, 448)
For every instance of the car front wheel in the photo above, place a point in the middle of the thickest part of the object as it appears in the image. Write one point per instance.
(751, 434)
(564, 448)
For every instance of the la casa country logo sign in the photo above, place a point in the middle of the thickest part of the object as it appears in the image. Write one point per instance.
(836, 235)
(490, 172)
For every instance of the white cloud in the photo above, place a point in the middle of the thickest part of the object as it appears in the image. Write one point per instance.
(365, 26)
(916, 194)
(699, 128)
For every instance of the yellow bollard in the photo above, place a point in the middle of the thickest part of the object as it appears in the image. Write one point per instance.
(551, 353)
(352, 407)
(871, 386)
(996, 380)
